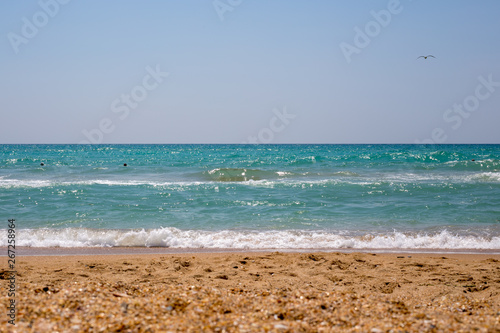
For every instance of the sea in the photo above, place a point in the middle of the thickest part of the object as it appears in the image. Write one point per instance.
(223, 196)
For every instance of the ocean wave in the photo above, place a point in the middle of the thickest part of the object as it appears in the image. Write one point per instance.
(176, 238)
(8, 183)
(272, 179)
(474, 165)
(242, 174)
(445, 178)
(486, 177)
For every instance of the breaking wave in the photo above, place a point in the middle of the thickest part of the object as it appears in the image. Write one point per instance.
(241, 174)
(289, 239)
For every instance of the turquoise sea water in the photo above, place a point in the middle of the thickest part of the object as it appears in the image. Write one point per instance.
(253, 196)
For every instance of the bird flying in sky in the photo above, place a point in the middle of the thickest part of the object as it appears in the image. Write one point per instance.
(425, 57)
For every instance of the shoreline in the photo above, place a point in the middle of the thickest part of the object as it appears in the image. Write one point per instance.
(89, 251)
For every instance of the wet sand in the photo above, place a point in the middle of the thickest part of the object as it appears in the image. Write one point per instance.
(255, 292)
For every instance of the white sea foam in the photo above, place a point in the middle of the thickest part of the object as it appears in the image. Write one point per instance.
(336, 178)
(176, 238)
(7, 183)
(486, 177)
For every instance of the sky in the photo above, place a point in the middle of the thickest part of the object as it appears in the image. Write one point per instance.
(249, 71)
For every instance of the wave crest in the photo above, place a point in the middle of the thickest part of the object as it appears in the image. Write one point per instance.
(289, 239)
(241, 174)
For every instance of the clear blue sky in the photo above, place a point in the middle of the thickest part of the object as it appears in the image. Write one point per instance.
(289, 71)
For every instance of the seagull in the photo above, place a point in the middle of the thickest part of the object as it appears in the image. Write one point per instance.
(425, 57)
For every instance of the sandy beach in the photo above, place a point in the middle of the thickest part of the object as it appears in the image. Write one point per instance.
(255, 292)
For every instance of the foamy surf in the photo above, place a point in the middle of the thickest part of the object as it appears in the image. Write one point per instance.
(289, 239)
(269, 178)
